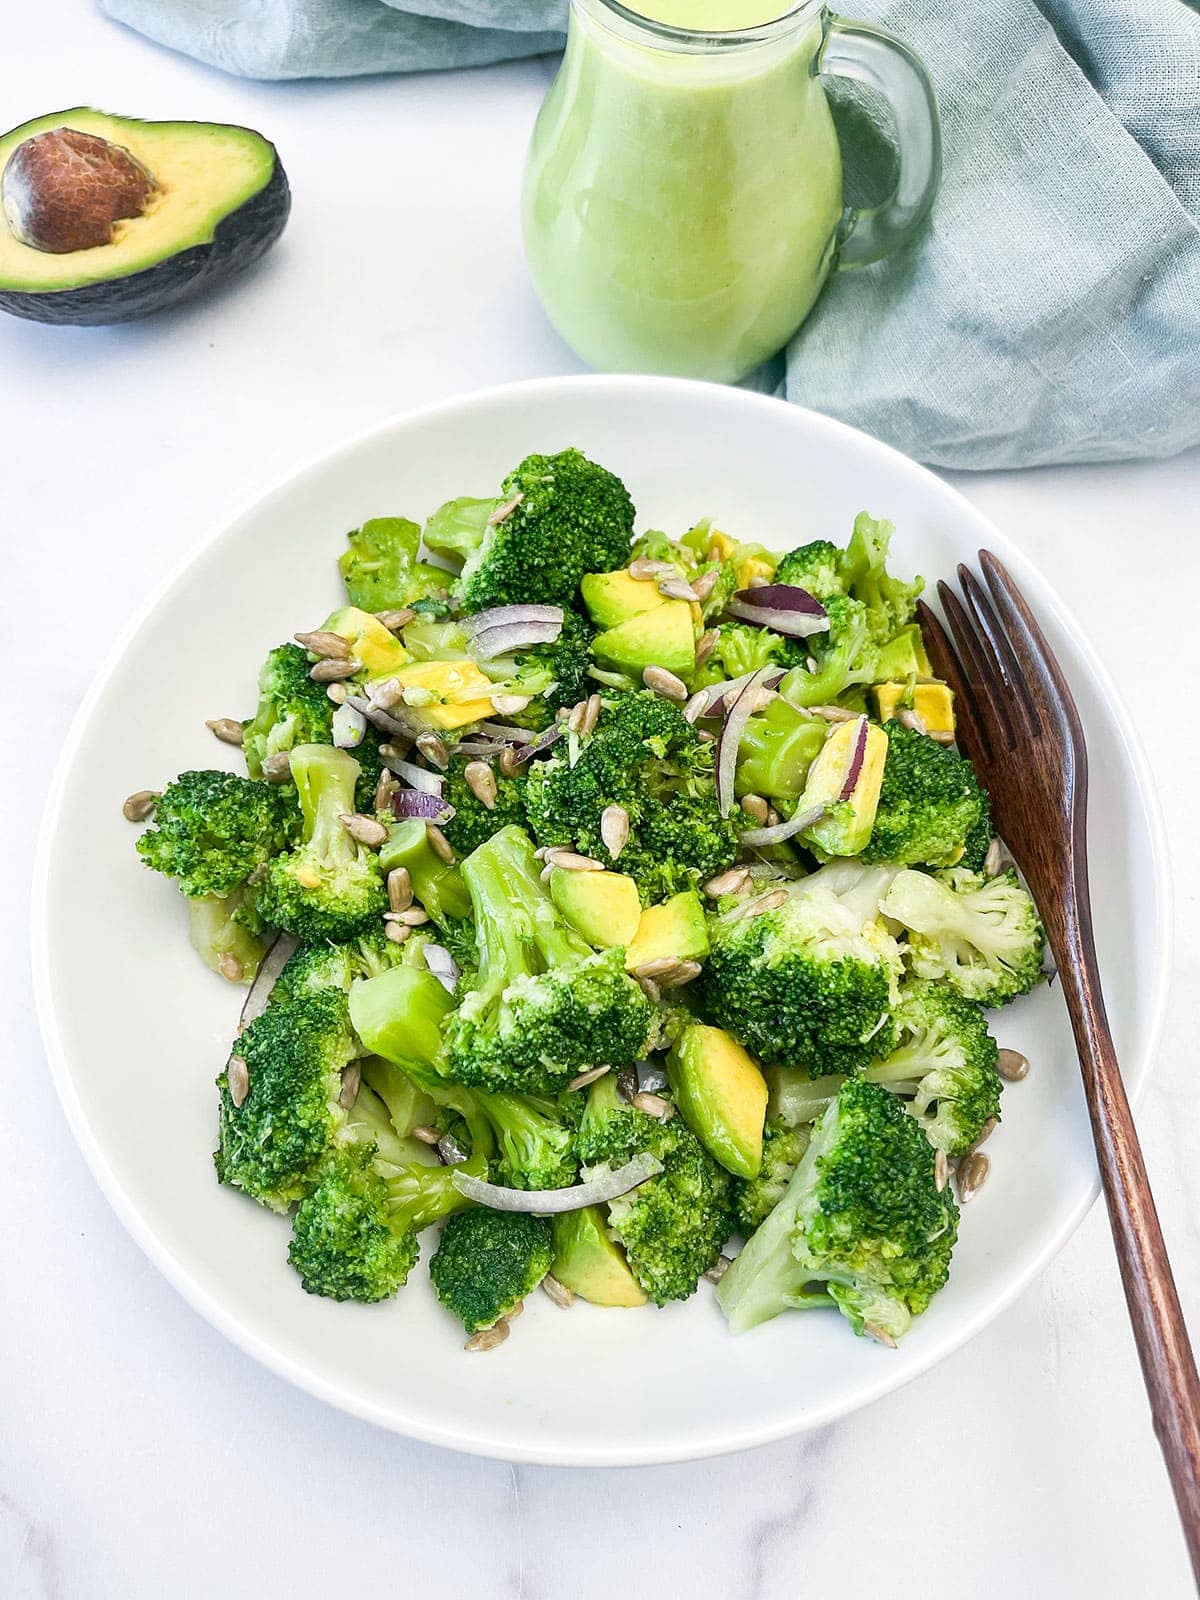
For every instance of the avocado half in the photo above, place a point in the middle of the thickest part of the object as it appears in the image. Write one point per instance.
(215, 198)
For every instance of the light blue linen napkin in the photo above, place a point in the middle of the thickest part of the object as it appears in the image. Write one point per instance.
(1051, 313)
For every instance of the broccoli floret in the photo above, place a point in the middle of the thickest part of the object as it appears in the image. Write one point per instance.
(646, 757)
(380, 568)
(438, 885)
(782, 1149)
(777, 749)
(535, 1148)
(816, 567)
(891, 603)
(673, 1226)
(861, 1225)
(330, 887)
(811, 982)
(943, 1065)
(213, 830)
(544, 1006)
(473, 822)
(227, 933)
(845, 656)
(556, 675)
(347, 1243)
(292, 709)
(487, 1262)
(336, 966)
(983, 936)
(930, 803)
(743, 648)
(573, 517)
(272, 1144)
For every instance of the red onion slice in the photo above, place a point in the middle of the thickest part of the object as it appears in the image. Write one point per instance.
(856, 760)
(349, 727)
(551, 1202)
(443, 965)
(415, 803)
(737, 715)
(506, 639)
(503, 616)
(269, 968)
(418, 777)
(782, 607)
(753, 838)
(721, 695)
(396, 726)
(506, 732)
(541, 744)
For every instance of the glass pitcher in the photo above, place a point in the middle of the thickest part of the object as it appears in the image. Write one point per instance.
(682, 201)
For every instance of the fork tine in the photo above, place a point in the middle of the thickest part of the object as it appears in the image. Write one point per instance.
(1036, 661)
(970, 728)
(990, 697)
(1007, 677)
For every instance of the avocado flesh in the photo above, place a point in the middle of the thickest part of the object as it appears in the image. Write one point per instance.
(722, 1096)
(587, 1261)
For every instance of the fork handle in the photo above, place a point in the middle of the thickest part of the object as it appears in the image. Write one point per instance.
(1158, 1326)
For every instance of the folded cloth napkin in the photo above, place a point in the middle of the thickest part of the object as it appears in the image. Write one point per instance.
(1052, 311)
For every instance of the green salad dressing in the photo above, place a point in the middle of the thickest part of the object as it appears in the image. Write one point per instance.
(711, 16)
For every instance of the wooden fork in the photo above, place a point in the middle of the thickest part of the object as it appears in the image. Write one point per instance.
(1019, 726)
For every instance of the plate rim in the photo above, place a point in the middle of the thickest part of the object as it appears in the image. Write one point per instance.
(226, 1320)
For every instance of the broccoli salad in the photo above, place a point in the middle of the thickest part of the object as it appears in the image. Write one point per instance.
(607, 902)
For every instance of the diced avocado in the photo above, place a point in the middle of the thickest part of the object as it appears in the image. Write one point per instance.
(904, 655)
(460, 692)
(676, 928)
(722, 1095)
(663, 637)
(587, 1261)
(602, 906)
(751, 564)
(933, 703)
(370, 642)
(847, 828)
(614, 597)
(720, 545)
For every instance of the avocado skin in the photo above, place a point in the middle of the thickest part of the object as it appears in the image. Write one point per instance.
(240, 239)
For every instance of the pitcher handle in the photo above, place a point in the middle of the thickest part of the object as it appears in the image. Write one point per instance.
(875, 57)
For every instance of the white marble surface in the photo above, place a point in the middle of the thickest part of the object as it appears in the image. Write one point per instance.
(140, 1456)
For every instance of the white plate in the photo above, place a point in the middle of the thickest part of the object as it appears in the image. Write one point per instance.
(137, 1029)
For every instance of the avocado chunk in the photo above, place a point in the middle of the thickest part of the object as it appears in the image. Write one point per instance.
(105, 218)
(904, 655)
(587, 1261)
(846, 779)
(722, 1096)
(614, 597)
(662, 637)
(601, 906)
(933, 703)
(458, 691)
(379, 650)
(674, 929)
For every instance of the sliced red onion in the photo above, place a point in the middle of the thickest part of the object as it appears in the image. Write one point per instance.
(551, 1202)
(505, 641)
(397, 726)
(478, 747)
(856, 760)
(541, 744)
(506, 732)
(782, 607)
(349, 727)
(269, 968)
(415, 803)
(721, 695)
(753, 838)
(504, 616)
(419, 777)
(443, 965)
(737, 715)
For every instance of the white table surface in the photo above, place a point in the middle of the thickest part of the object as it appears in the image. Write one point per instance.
(143, 1458)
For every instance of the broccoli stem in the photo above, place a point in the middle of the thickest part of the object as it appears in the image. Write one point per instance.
(325, 779)
(520, 932)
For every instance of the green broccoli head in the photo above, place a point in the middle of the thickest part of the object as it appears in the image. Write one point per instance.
(943, 1064)
(347, 1243)
(473, 822)
(672, 1227)
(861, 1224)
(816, 567)
(544, 1005)
(844, 657)
(783, 1148)
(213, 830)
(329, 887)
(891, 603)
(292, 709)
(336, 966)
(535, 1145)
(646, 757)
(931, 806)
(487, 1262)
(271, 1145)
(981, 935)
(380, 567)
(742, 648)
(811, 982)
(573, 517)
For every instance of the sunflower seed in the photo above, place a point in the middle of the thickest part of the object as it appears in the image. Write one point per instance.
(507, 763)
(731, 882)
(614, 829)
(488, 1338)
(682, 972)
(696, 706)
(656, 968)
(756, 808)
(758, 581)
(227, 730)
(584, 1078)
(558, 1292)
(941, 1170)
(351, 1084)
(652, 1105)
(642, 568)
(411, 916)
(973, 1171)
(810, 663)
(1012, 1065)
(880, 1335)
(718, 1269)
(426, 1134)
(665, 683)
(386, 693)
(364, 829)
(774, 819)
(231, 968)
(833, 713)
(761, 698)
(940, 735)
(383, 791)
(575, 717)
(439, 844)
(627, 1085)
(237, 1075)
(570, 862)
(433, 749)
(321, 642)
(994, 859)
(393, 621)
(913, 720)
(399, 889)
(481, 781)
(703, 586)
(591, 715)
(331, 671)
(502, 513)
(510, 705)
(417, 695)
(676, 588)
(705, 645)
(277, 768)
(337, 692)
(393, 752)
(986, 1132)
(544, 874)
(651, 990)
(140, 805)
(771, 901)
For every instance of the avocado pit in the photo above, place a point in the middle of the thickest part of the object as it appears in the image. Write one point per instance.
(65, 190)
